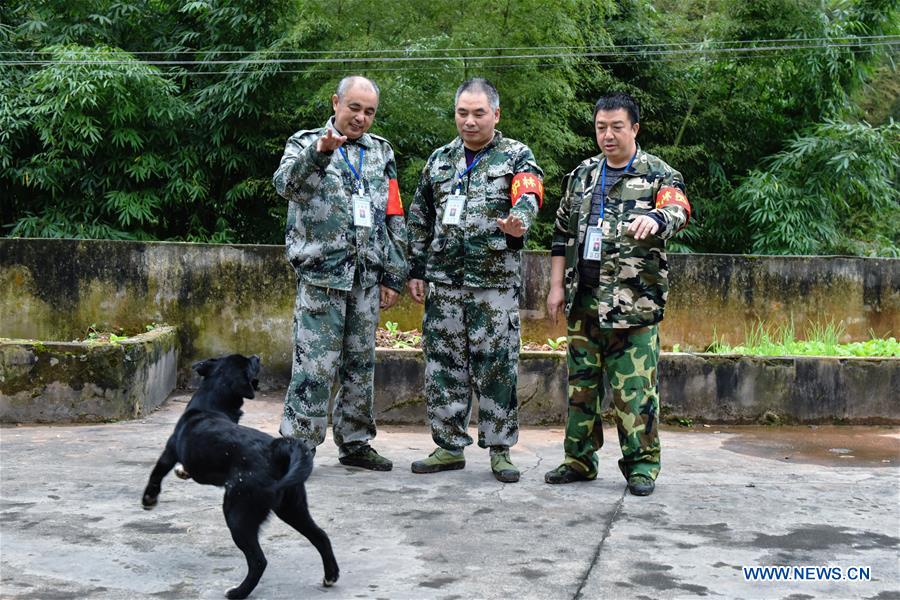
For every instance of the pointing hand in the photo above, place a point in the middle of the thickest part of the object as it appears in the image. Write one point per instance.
(330, 142)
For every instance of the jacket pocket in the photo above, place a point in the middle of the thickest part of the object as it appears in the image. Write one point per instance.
(642, 282)
(499, 178)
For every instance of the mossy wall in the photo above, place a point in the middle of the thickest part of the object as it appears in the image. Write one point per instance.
(222, 298)
(239, 298)
(62, 382)
(725, 295)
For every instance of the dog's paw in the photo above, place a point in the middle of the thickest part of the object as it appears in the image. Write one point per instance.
(181, 473)
(149, 502)
(236, 592)
(329, 582)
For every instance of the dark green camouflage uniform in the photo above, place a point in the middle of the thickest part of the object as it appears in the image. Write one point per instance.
(339, 267)
(471, 324)
(613, 327)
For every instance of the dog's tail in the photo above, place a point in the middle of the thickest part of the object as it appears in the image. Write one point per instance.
(300, 463)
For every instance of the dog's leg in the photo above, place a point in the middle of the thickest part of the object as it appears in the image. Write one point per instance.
(294, 511)
(165, 463)
(245, 511)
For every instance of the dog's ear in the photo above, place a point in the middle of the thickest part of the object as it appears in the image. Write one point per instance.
(205, 367)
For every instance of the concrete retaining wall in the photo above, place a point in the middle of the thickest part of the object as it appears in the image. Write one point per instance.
(232, 298)
(702, 387)
(59, 382)
(804, 389)
(399, 376)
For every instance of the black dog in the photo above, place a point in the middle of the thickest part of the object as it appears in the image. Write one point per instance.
(260, 473)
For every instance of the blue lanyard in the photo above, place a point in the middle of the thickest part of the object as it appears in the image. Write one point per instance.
(603, 183)
(357, 174)
(460, 176)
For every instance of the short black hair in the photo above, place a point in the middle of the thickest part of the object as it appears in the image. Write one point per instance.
(618, 100)
(479, 84)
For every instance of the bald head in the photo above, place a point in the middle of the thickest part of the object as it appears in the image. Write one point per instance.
(354, 81)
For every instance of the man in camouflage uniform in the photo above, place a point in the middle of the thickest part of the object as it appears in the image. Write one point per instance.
(474, 202)
(609, 269)
(346, 239)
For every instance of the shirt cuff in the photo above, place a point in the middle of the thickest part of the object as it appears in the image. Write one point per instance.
(392, 281)
(658, 218)
(514, 243)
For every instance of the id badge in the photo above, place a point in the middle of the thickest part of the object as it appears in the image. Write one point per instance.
(362, 211)
(593, 241)
(453, 209)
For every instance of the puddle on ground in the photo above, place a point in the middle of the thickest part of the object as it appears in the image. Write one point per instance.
(838, 446)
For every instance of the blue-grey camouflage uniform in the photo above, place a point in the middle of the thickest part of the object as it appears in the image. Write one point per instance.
(471, 323)
(339, 267)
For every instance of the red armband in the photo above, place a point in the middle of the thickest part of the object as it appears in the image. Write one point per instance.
(394, 205)
(526, 183)
(672, 195)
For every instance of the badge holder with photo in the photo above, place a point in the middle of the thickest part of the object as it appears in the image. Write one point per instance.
(453, 209)
(456, 202)
(362, 204)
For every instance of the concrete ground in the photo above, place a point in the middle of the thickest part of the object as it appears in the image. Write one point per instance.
(71, 525)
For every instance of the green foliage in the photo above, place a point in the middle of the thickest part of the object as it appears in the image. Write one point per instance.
(558, 343)
(401, 339)
(103, 149)
(100, 335)
(824, 340)
(715, 116)
(850, 206)
(100, 143)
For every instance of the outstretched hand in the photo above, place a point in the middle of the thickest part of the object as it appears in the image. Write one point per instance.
(512, 225)
(642, 226)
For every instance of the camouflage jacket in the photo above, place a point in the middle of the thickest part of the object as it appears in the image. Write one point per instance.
(475, 253)
(633, 273)
(322, 244)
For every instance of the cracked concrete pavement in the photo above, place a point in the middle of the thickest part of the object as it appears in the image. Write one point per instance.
(71, 525)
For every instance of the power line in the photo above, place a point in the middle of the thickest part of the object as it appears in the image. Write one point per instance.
(411, 68)
(412, 50)
(888, 41)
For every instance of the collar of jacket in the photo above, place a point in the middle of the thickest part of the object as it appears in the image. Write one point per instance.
(365, 140)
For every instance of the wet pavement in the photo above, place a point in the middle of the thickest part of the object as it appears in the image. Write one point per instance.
(71, 525)
(833, 446)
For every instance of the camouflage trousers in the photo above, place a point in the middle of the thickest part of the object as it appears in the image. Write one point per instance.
(334, 339)
(629, 358)
(471, 342)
